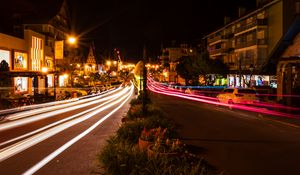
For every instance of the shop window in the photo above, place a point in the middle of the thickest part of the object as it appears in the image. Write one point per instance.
(21, 84)
(20, 61)
(5, 55)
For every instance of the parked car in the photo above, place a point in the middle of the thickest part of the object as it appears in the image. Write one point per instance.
(238, 95)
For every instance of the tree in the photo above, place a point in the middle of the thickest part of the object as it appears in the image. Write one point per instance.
(4, 66)
(191, 67)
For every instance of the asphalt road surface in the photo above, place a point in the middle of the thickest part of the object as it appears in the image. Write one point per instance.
(236, 142)
(61, 139)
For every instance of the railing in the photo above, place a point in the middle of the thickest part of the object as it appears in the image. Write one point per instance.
(257, 22)
(251, 43)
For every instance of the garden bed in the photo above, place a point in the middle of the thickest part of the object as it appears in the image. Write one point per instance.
(165, 153)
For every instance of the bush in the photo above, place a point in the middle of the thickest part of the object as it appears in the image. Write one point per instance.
(120, 157)
(130, 131)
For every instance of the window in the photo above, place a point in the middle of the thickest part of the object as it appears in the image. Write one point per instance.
(5, 55)
(261, 34)
(36, 53)
(20, 61)
(21, 84)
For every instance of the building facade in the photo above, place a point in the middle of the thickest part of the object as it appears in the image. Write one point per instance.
(31, 56)
(170, 56)
(248, 44)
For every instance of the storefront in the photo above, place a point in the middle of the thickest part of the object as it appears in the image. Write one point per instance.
(245, 81)
(20, 85)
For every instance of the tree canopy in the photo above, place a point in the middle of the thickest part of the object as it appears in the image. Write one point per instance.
(191, 67)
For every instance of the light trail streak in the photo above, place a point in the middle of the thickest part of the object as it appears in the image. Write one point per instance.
(56, 123)
(258, 104)
(51, 108)
(29, 142)
(241, 107)
(51, 156)
(23, 121)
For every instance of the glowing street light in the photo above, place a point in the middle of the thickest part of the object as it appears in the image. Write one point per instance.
(108, 63)
(44, 69)
(72, 40)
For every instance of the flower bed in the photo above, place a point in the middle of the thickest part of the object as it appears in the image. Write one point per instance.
(146, 145)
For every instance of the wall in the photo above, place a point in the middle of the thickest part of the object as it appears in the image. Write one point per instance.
(275, 25)
(11, 42)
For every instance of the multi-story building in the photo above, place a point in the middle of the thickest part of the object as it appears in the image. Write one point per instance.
(171, 55)
(31, 56)
(249, 44)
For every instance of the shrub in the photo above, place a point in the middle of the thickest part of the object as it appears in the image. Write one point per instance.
(135, 111)
(120, 157)
(130, 131)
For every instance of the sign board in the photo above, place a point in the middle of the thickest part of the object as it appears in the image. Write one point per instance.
(59, 49)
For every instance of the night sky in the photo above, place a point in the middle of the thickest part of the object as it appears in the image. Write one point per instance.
(132, 24)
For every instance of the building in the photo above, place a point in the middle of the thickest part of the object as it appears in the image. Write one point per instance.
(34, 48)
(169, 59)
(249, 45)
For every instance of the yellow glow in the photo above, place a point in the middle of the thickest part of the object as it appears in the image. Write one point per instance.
(115, 62)
(44, 69)
(66, 75)
(72, 40)
(78, 65)
(108, 63)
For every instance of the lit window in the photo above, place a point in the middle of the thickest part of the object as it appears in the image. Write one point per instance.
(21, 84)
(20, 61)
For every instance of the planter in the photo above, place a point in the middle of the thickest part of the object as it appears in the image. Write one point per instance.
(162, 151)
(143, 144)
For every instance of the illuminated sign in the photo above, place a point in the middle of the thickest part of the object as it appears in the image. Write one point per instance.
(20, 61)
(59, 49)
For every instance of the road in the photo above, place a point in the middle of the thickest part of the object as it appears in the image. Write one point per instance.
(234, 141)
(63, 138)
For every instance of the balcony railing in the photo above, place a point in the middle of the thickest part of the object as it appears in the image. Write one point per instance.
(217, 38)
(219, 51)
(257, 22)
(251, 43)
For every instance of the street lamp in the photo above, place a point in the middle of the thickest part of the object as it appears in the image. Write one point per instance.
(72, 40)
(59, 45)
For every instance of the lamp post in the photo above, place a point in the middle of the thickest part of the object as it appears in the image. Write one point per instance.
(59, 54)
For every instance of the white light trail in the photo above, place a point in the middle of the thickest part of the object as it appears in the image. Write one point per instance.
(56, 123)
(23, 121)
(29, 142)
(51, 156)
(59, 105)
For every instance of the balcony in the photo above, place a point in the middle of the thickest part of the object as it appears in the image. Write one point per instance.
(221, 51)
(217, 38)
(251, 43)
(256, 23)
